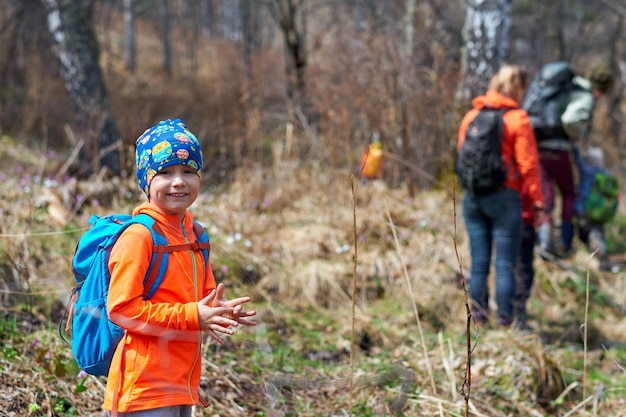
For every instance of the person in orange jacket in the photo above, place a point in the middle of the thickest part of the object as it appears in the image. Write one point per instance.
(495, 219)
(156, 368)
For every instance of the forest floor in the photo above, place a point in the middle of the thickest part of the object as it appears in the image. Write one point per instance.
(358, 288)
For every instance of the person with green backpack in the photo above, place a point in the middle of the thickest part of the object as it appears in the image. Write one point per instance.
(560, 105)
(596, 200)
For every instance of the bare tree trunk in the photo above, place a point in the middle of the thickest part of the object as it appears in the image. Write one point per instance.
(409, 28)
(616, 97)
(206, 17)
(190, 31)
(291, 19)
(560, 30)
(70, 24)
(231, 19)
(130, 50)
(247, 26)
(487, 24)
(358, 16)
(164, 13)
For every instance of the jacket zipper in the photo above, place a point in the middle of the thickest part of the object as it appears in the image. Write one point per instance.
(195, 296)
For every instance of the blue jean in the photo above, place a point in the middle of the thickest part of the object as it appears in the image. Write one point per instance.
(493, 219)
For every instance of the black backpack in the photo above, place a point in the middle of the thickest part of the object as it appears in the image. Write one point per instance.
(479, 161)
(546, 100)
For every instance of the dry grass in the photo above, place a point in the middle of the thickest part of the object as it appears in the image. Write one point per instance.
(286, 235)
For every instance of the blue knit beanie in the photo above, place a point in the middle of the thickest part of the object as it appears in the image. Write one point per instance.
(167, 143)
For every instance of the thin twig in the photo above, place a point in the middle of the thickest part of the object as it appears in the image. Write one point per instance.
(424, 174)
(36, 234)
(354, 272)
(70, 160)
(612, 357)
(585, 324)
(579, 406)
(598, 398)
(566, 391)
(467, 382)
(448, 363)
(450, 406)
(415, 311)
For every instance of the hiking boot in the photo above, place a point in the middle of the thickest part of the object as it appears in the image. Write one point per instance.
(597, 243)
(523, 326)
(567, 236)
(504, 321)
(564, 253)
(521, 323)
(543, 253)
(480, 317)
(521, 318)
(547, 253)
(605, 266)
(560, 250)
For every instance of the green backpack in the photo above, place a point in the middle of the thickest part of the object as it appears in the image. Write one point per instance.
(601, 204)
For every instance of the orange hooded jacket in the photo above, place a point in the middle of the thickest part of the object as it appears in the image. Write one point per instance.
(158, 363)
(519, 146)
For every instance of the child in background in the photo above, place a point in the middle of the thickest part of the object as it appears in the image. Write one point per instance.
(156, 368)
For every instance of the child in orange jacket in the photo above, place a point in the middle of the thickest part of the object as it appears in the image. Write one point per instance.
(156, 368)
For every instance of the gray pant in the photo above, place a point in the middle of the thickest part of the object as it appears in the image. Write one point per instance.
(175, 411)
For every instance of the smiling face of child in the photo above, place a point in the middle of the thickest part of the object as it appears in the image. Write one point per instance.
(174, 189)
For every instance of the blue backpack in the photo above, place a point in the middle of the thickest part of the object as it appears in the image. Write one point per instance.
(94, 337)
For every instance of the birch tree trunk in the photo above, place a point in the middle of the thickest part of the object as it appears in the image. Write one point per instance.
(206, 17)
(486, 31)
(406, 119)
(76, 47)
(130, 50)
(358, 16)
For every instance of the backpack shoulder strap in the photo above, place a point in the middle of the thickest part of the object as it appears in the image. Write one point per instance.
(499, 110)
(161, 251)
(203, 242)
(158, 265)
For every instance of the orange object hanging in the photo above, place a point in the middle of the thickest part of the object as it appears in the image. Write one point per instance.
(372, 161)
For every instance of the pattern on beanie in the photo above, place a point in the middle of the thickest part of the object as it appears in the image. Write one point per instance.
(167, 143)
